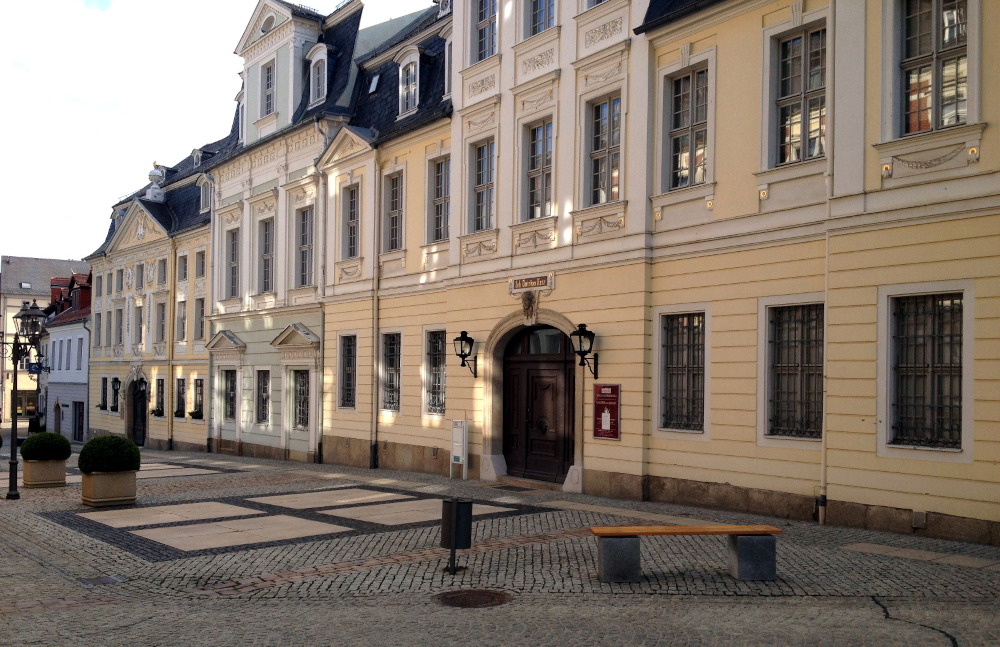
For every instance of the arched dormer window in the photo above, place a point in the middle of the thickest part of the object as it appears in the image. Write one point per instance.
(317, 58)
(409, 80)
(206, 193)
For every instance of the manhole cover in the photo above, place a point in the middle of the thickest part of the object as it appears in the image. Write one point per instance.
(474, 598)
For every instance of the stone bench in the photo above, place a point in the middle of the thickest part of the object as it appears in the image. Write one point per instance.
(752, 549)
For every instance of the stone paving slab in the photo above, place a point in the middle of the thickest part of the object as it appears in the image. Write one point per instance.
(327, 498)
(221, 534)
(129, 517)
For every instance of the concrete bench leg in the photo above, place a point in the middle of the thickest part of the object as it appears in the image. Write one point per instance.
(752, 557)
(618, 559)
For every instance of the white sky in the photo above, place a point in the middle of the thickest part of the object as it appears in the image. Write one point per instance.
(101, 90)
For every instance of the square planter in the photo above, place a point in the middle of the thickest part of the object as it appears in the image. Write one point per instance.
(44, 473)
(108, 488)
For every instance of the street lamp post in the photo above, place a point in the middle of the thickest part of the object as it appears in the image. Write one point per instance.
(27, 325)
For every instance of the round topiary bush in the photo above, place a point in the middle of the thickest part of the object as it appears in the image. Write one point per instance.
(108, 454)
(45, 446)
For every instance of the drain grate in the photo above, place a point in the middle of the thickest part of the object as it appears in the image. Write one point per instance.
(473, 598)
(106, 579)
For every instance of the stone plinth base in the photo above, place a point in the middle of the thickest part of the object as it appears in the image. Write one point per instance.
(753, 557)
(618, 559)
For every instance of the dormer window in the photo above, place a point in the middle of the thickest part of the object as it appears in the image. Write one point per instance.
(206, 195)
(408, 88)
(319, 80)
(267, 89)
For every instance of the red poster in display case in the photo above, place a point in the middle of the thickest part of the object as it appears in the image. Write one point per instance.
(607, 411)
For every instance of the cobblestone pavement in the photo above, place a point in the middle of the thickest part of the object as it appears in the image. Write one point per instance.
(68, 580)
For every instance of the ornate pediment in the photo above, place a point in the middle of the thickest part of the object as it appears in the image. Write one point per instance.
(226, 340)
(348, 142)
(264, 25)
(296, 335)
(137, 227)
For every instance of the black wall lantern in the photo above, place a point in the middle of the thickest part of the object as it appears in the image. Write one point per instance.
(463, 348)
(583, 343)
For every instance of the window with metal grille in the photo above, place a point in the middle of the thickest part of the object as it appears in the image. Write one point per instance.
(104, 393)
(801, 102)
(927, 370)
(233, 253)
(266, 255)
(263, 392)
(485, 171)
(199, 395)
(180, 410)
(351, 223)
(605, 150)
(408, 88)
(442, 199)
(486, 29)
(391, 357)
(229, 394)
(688, 129)
(161, 394)
(300, 381)
(115, 391)
(304, 226)
(542, 16)
(348, 370)
(934, 64)
(683, 377)
(436, 371)
(795, 402)
(267, 89)
(394, 213)
(540, 170)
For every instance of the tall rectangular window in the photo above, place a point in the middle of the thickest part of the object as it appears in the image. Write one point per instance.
(140, 276)
(304, 251)
(348, 371)
(408, 88)
(229, 394)
(262, 391)
(107, 330)
(118, 327)
(161, 395)
(79, 354)
(436, 371)
(391, 358)
(683, 377)
(688, 129)
(138, 328)
(605, 150)
(233, 264)
(319, 80)
(394, 213)
(300, 383)
(182, 268)
(486, 29)
(267, 89)
(795, 383)
(199, 265)
(97, 329)
(926, 387)
(267, 255)
(801, 101)
(119, 280)
(180, 410)
(181, 331)
(199, 398)
(352, 247)
(441, 173)
(542, 16)
(98, 285)
(161, 271)
(107, 283)
(540, 170)
(115, 393)
(161, 322)
(199, 318)
(206, 197)
(104, 394)
(934, 64)
(484, 188)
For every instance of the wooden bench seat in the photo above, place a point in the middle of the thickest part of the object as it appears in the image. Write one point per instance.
(752, 549)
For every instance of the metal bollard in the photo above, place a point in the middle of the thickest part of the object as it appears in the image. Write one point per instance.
(456, 526)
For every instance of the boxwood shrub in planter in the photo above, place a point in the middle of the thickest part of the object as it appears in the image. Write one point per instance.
(45, 457)
(109, 464)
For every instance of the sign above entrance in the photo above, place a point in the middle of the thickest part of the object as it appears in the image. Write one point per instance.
(607, 411)
(545, 283)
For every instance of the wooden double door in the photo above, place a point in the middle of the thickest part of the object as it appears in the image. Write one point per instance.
(538, 389)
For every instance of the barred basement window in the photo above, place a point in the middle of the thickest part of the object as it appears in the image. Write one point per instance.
(199, 397)
(927, 371)
(301, 408)
(348, 370)
(795, 404)
(161, 389)
(181, 409)
(436, 371)
(683, 396)
(391, 351)
(229, 395)
(263, 396)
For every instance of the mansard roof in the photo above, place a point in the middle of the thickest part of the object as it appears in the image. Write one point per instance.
(663, 12)
(36, 272)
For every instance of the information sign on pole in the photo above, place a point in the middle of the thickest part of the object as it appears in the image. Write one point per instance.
(459, 446)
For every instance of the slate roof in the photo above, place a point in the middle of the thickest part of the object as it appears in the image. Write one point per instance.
(37, 271)
(663, 12)
(67, 317)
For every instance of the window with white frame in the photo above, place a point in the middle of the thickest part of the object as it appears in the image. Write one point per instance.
(233, 264)
(181, 330)
(119, 326)
(140, 275)
(97, 329)
(436, 372)
(934, 64)
(229, 395)
(182, 268)
(605, 149)
(541, 16)
(79, 354)
(199, 265)
(103, 406)
(138, 328)
(107, 283)
(160, 396)
(352, 223)
(161, 322)
(485, 17)
(107, 329)
(262, 392)
(266, 278)
(440, 199)
(391, 363)
(348, 391)
(393, 223)
(539, 170)
(682, 381)
(300, 403)
(447, 67)
(483, 185)
(304, 250)
(116, 387)
(199, 399)
(409, 87)
(795, 371)
(318, 80)
(180, 410)
(800, 101)
(199, 318)
(119, 280)
(688, 128)
(267, 94)
(98, 285)
(161, 271)
(206, 195)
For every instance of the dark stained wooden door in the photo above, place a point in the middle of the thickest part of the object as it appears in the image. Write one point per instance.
(538, 405)
(140, 406)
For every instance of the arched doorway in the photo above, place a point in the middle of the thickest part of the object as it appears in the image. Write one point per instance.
(138, 408)
(538, 395)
